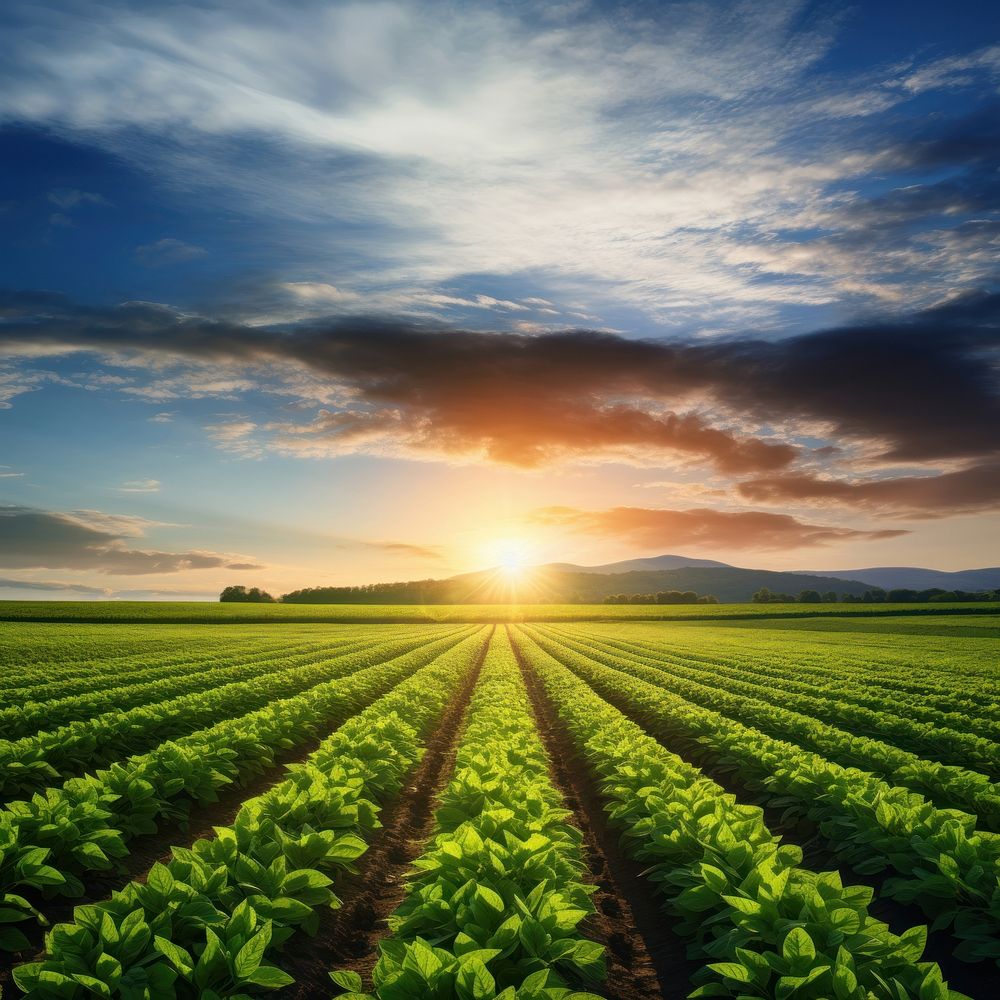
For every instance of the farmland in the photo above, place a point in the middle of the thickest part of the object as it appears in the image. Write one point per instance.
(500, 802)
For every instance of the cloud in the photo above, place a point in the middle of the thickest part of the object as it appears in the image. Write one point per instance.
(634, 150)
(319, 292)
(651, 529)
(168, 251)
(963, 491)
(67, 198)
(911, 388)
(166, 417)
(10, 584)
(140, 486)
(31, 538)
(234, 436)
(406, 549)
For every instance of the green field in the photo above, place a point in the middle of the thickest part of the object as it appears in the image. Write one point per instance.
(194, 612)
(735, 806)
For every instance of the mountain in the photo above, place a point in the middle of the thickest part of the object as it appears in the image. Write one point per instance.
(639, 565)
(917, 578)
(559, 582)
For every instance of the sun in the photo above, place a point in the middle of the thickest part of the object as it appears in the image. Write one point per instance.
(512, 557)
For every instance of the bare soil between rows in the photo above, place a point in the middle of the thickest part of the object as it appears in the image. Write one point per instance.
(977, 980)
(645, 959)
(348, 937)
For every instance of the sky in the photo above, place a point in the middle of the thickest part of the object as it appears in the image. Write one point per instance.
(313, 293)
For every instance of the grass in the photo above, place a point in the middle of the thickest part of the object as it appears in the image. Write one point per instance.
(204, 612)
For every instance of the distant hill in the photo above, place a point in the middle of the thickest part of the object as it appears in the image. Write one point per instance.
(916, 578)
(556, 585)
(729, 583)
(559, 583)
(639, 565)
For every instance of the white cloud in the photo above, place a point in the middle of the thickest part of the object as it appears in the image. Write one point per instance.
(168, 251)
(633, 157)
(140, 486)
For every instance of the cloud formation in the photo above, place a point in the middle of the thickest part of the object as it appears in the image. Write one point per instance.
(7, 583)
(31, 538)
(656, 152)
(654, 529)
(963, 491)
(911, 389)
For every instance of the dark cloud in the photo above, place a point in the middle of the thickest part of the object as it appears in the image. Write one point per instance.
(89, 540)
(654, 529)
(964, 491)
(923, 387)
(9, 584)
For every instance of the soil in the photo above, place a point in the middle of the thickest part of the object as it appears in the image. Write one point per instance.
(348, 937)
(977, 980)
(645, 960)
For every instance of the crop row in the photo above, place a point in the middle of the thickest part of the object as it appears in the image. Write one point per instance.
(767, 926)
(898, 664)
(31, 763)
(826, 682)
(49, 681)
(495, 906)
(816, 685)
(948, 867)
(949, 786)
(29, 717)
(207, 923)
(49, 841)
(184, 667)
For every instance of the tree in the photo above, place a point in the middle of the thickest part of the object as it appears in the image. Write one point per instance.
(240, 595)
(830, 597)
(763, 596)
(810, 597)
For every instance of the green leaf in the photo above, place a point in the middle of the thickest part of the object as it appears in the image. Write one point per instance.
(733, 970)
(249, 957)
(474, 981)
(348, 980)
(178, 957)
(270, 977)
(798, 948)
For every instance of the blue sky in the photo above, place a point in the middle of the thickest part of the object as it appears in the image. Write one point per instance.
(232, 233)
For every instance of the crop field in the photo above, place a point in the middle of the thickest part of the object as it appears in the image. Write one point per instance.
(789, 808)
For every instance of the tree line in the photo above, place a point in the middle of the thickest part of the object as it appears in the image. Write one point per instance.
(662, 597)
(898, 595)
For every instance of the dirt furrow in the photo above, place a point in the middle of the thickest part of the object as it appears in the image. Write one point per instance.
(348, 937)
(646, 961)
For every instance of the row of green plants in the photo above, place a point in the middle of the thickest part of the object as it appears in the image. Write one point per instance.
(34, 762)
(52, 683)
(48, 843)
(32, 655)
(210, 922)
(946, 785)
(952, 674)
(942, 863)
(910, 721)
(130, 690)
(495, 906)
(766, 926)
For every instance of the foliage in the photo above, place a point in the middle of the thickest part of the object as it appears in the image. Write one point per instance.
(941, 862)
(495, 905)
(240, 595)
(770, 927)
(203, 924)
